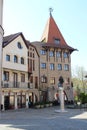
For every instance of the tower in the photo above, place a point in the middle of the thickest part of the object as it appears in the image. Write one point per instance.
(1, 40)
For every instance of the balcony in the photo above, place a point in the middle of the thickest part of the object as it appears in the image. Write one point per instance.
(8, 84)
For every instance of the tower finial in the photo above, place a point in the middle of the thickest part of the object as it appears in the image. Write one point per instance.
(50, 10)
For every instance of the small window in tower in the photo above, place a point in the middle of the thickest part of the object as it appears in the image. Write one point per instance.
(56, 40)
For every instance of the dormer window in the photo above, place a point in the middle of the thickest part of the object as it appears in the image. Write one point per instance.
(56, 40)
(19, 45)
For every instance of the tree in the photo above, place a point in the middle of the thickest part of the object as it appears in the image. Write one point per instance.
(78, 78)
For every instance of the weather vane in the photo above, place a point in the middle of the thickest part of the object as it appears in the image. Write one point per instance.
(50, 10)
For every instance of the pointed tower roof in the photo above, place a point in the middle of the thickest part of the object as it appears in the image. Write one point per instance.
(52, 35)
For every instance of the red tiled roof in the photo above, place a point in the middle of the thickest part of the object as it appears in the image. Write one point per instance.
(51, 33)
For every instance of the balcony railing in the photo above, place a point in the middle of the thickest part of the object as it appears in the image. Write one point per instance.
(8, 84)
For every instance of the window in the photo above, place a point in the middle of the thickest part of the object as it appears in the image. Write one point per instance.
(67, 80)
(33, 55)
(30, 54)
(7, 57)
(30, 64)
(22, 77)
(51, 53)
(59, 67)
(52, 80)
(6, 76)
(43, 65)
(31, 79)
(58, 54)
(36, 82)
(56, 40)
(44, 79)
(33, 65)
(66, 67)
(15, 59)
(22, 60)
(65, 55)
(19, 45)
(42, 52)
(51, 66)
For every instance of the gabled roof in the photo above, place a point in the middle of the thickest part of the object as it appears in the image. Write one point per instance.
(10, 38)
(52, 33)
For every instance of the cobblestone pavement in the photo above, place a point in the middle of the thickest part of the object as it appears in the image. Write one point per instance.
(43, 119)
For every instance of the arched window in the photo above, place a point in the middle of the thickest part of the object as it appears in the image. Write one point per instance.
(15, 59)
(19, 45)
(22, 60)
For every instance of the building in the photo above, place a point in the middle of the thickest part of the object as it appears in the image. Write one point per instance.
(30, 71)
(20, 73)
(55, 61)
(1, 40)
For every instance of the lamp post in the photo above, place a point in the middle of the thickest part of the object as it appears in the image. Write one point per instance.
(61, 95)
(1, 40)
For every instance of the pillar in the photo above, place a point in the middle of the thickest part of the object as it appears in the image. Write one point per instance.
(1, 40)
(3, 101)
(27, 100)
(61, 96)
(16, 107)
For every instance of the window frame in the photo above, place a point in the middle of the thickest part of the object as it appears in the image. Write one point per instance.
(52, 80)
(66, 67)
(43, 52)
(22, 77)
(51, 53)
(6, 76)
(52, 66)
(43, 65)
(22, 60)
(65, 54)
(7, 57)
(59, 67)
(15, 59)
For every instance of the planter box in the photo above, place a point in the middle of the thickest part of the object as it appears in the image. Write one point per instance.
(41, 106)
(37, 106)
(47, 105)
(51, 104)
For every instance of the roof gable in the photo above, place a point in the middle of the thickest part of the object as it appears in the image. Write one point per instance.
(10, 38)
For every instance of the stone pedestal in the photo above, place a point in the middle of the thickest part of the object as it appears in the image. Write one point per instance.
(61, 97)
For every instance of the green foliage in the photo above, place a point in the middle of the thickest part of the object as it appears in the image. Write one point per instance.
(83, 98)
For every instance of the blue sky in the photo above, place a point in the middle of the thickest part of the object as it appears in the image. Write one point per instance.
(30, 17)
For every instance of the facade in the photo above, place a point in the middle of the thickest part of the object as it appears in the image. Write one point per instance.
(30, 71)
(55, 61)
(19, 85)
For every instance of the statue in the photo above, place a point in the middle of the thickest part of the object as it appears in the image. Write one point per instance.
(60, 84)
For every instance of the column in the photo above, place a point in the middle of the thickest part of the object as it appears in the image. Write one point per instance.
(1, 11)
(34, 98)
(3, 101)
(61, 96)
(27, 100)
(1, 40)
(16, 107)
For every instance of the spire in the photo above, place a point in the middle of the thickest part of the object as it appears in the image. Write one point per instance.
(50, 10)
(52, 32)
